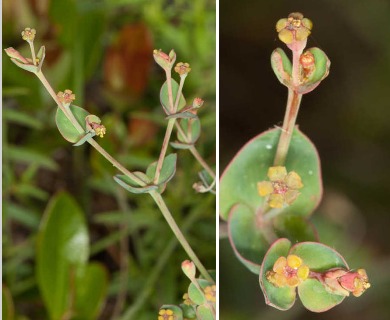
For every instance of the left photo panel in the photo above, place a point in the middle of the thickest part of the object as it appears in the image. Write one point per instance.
(109, 157)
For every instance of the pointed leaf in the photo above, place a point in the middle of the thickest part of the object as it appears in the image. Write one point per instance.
(168, 169)
(27, 67)
(281, 298)
(164, 99)
(182, 115)
(66, 128)
(239, 181)
(133, 186)
(62, 252)
(91, 290)
(85, 138)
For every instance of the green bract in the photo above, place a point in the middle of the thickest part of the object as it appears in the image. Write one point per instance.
(66, 128)
(164, 98)
(281, 65)
(317, 257)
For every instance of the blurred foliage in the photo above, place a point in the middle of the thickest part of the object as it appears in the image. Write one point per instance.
(346, 118)
(102, 51)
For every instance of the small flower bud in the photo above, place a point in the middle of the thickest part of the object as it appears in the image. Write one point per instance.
(342, 282)
(163, 60)
(66, 97)
(197, 103)
(28, 34)
(15, 54)
(182, 68)
(188, 268)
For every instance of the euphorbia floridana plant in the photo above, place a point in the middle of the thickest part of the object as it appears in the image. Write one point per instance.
(274, 184)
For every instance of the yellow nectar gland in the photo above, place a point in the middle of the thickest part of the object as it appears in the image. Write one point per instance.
(288, 271)
(165, 314)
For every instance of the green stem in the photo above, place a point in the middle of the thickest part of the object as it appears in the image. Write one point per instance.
(179, 235)
(149, 285)
(34, 59)
(170, 95)
(195, 152)
(170, 125)
(290, 117)
(164, 148)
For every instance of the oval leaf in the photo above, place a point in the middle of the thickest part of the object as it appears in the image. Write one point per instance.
(192, 129)
(164, 99)
(66, 128)
(62, 252)
(168, 169)
(318, 257)
(195, 295)
(281, 298)
(204, 313)
(91, 290)
(239, 181)
(246, 237)
(181, 146)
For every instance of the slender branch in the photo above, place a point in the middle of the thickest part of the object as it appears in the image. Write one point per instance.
(179, 235)
(169, 83)
(293, 103)
(195, 152)
(34, 59)
(164, 148)
(170, 125)
(124, 255)
(149, 285)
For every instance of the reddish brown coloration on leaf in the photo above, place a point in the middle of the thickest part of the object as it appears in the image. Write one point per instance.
(128, 61)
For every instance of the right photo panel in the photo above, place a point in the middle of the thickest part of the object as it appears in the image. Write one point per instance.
(304, 153)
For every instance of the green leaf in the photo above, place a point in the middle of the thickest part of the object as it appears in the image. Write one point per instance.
(188, 311)
(84, 139)
(133, 186)
(322, 64)
(239, 181)
(22, 118)
(204, 313)
(182, 115)
(164, 99)
(295, 228)
(91, 290)
(195, 295)
(28, 67)
(318, 257)
(168, 169)
(23, 155)
(181, 146)
(8, 310)
(192, 129)
(281, 65)
(281, 298)
(62, 252)
(66, 128)
(246, 238)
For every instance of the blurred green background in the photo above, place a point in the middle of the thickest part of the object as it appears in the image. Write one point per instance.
(102, 51)
(347, 119)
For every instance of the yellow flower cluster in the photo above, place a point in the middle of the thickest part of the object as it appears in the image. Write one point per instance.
(282, 188)
(294, 28)
(165, 314)
(290, 271)
(182, 68)
(210, 293)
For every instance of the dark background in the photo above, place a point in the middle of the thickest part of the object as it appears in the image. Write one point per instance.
(347, 119)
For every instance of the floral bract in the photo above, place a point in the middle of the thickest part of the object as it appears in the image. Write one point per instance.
(282, 188)
(290, 271)
(342, 282)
